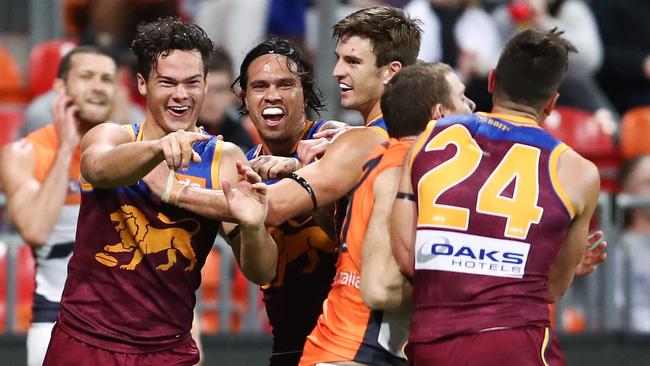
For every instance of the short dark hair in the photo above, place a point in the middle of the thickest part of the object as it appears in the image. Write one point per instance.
(407, 114)
(220, 61)
(303, 69)
(162, 37)
(531, 67)
(66, 60)
(393, 35)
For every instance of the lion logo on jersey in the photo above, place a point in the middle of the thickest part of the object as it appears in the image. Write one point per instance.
(137, 236)
(309, 240)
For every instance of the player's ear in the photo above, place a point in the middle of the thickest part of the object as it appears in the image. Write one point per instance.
(58, 85)
(491, 78)
(142, 85)
(436, 111)
(390, 70)
(550, 104)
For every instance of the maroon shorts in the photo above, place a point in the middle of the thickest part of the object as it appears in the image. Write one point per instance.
(65, 350)
(519, 346)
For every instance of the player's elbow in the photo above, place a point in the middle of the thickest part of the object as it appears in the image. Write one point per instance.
(258, 276)
(377, 296)
(33, 236)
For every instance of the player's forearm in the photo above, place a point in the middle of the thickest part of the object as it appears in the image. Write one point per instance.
(205, 202)
(382, 284)
(122, 165)
(258, 255)
(34, 215)
(287, 199)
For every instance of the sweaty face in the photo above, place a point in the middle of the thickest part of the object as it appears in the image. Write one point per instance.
(459, 103)
(91, 84)
(218, 98)
(274, 97)
(358, 76)
(175, 90)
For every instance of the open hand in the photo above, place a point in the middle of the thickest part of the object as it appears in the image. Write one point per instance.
(248, 203)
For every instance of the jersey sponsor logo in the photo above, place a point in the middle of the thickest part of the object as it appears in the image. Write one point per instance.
(191, 181)
(473, 254)
(352, 279)
(139, 237)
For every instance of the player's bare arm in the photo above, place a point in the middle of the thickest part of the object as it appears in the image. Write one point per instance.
(403, 220)
(254, 249)
(33, 206)
(581, 182)
(109, 159)
(382, 284)
(331, 177)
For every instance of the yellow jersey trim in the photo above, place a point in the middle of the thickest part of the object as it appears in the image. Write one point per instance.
(547, 337)
(515, 120)
(130, 130)
(553, 172)
(417, 146)
(216, 163)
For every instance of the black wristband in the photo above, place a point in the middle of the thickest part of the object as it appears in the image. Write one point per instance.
(405, 196)
(303, 183)
(233, 233)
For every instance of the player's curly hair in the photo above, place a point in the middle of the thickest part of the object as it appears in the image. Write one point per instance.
(161, 37)
(296, 62)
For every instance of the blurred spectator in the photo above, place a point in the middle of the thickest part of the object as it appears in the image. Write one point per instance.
(287, 20)
(112, 23)
(39, 110)
(578, 89)
(633, 253)
(625, 30)
(218, 115)
(237, 25)
(462, 35)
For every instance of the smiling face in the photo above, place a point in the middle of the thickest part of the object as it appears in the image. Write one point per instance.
(91, 84)
(360, 80)
(175, 90)
(274, 99)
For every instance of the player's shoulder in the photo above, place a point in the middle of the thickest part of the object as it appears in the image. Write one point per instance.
(43, 137)
(572, 161)
(230, 150)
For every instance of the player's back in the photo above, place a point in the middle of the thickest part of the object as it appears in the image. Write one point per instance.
(491, 220)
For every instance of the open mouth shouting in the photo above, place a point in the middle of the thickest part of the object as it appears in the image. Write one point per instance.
(272, 116)
(178, 111)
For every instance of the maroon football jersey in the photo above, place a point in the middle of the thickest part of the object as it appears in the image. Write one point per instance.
(137, 263)
(491, 220)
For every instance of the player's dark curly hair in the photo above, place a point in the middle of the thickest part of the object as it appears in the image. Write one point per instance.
(303, 69)
(160, 38)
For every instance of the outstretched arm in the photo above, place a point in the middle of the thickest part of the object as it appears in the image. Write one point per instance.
(331, 178)
(382, 284)
(110, 159)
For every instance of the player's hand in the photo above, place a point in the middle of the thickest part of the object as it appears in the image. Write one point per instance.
(308, 150)
(273, 167)
(249, 202)
(64, 114)
(333, 133)
(593, 255)
(177, 148)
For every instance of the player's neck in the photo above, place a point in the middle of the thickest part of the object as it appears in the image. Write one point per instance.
(371, 114)
(515, 109)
